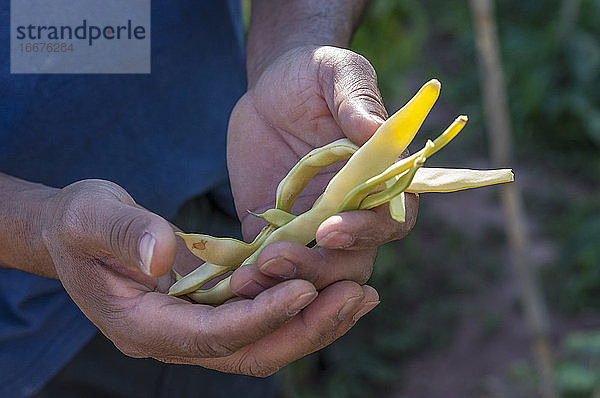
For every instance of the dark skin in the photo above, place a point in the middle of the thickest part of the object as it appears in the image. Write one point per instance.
(113, 257)
(328, 93)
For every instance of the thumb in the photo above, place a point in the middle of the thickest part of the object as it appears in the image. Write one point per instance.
(138, 238)
(349, 85)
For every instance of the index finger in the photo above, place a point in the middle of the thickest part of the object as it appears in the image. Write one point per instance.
(362, 229)
(331, 315)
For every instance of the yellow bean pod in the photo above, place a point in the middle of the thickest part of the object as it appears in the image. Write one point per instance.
(397, 187)
(197, 278)
(275, 217)
(451, 180)
(355, 186)
(397, 206)
(384, 147)
(223, 251)
(357, 195)
(216, 295)
(378, 153)
(176, 275)
(309, 166)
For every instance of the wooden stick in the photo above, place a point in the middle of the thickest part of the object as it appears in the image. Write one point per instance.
(499, 132)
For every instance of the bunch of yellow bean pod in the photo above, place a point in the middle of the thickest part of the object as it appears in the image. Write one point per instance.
(371, 177)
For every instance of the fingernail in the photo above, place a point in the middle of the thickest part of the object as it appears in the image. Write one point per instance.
(348, 307)
(365, 309)
(146, 251)
(301, 302)
(279, 267)
(250, 289)
(336, 240)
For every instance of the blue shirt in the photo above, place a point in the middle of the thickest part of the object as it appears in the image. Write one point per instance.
(160, 136)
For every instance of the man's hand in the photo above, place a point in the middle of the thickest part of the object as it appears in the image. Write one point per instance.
(114, 257)
(308, 97)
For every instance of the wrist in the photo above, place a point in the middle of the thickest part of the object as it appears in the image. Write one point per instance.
(278, 27)
(24, 215)
(44, 212)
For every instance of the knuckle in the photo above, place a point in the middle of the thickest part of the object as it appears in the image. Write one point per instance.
(371, 240)
(74, 207)
(324, 335)
(364, 273)
(362, 267)
(210, 342)
(263, 371)
(121, 234)
(349, 61)
(317, 274)
(319, 280)
(319, 340)
(250, 365)
(73, 218)
(211, 347)
(362, 62)
(344, 66)
(359, 66)
(271, 324)
(219, 348)
(103, 187)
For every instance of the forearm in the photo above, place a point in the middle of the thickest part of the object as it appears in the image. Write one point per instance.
(277, 26)
(21, 220)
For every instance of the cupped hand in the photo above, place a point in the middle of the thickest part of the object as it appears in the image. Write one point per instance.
(307, 98)
(113, 257)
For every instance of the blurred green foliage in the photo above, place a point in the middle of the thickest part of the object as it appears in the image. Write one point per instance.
(551, 59)
(577, 372)
(419, 307)
(575, 281)
(551, 66)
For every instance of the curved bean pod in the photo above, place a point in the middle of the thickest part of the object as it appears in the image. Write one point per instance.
(216, 295)
(176, 274)
(359, 193)
(223, 251)
(232, 252)
(396, 189)
(276, 217)
(384, 147)
(355, 186)
(377, 154)
(197, 278)
(397, 206)
(309, 166)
